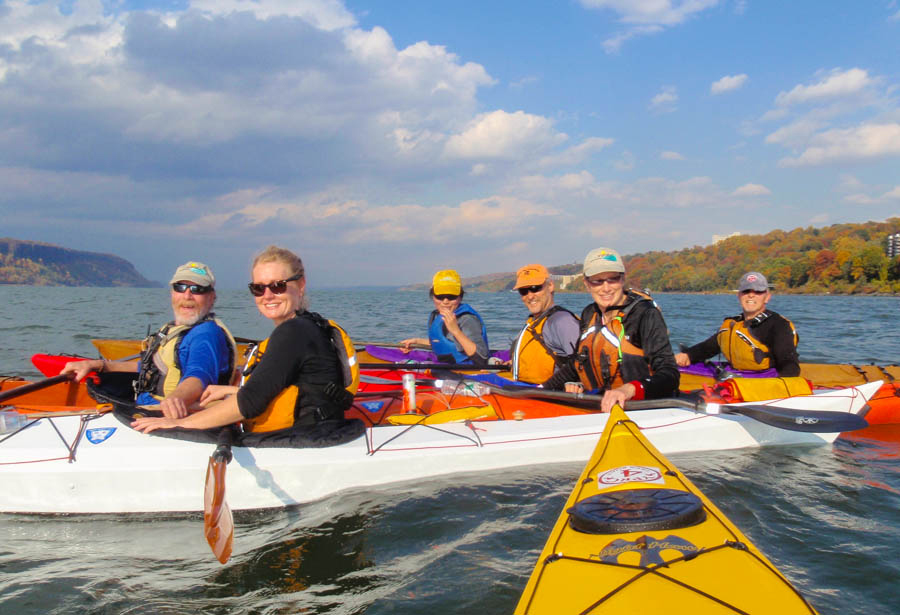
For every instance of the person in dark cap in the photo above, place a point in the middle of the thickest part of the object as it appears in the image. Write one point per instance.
(755, 340)
(186, 355)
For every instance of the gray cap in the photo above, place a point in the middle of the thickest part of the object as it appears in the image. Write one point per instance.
(753, 280)
(602, 260)
(195, 272)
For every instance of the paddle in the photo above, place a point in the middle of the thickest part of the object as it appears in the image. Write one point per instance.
(218, 523)
(34, 386)
(818, 421)
(457, 367)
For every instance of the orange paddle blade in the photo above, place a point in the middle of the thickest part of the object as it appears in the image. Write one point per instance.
(218, 522)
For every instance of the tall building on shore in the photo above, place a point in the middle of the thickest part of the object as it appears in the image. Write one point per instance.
(893, 245)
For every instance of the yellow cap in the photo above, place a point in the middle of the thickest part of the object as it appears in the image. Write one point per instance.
(446, 282)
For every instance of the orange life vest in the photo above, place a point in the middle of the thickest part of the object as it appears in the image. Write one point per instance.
(532, 360)
(605, 358)
(741, 349)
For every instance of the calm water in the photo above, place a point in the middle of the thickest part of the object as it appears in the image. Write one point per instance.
(827, 516)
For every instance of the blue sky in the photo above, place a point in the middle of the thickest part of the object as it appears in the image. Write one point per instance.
(385, 140)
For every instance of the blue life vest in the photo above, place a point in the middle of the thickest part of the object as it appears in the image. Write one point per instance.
(444, 347)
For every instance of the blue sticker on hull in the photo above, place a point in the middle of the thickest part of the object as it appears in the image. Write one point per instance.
(372, 406)
(100, 434)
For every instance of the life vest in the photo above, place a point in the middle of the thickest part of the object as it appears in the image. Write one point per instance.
(283, 411)
(533, 360)
(741, 348)
(160, 367)
(443, 346)
(605, 358)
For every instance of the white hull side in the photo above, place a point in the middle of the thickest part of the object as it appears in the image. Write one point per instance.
(131, 472)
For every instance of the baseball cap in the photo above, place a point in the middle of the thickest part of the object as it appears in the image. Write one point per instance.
(602, 260)
(753, 280)
(195, 272)
(531, 275)
(446, 282)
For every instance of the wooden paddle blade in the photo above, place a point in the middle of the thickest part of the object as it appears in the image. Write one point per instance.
(218, 523)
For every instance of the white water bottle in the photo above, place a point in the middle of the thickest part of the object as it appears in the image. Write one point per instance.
(10, 421)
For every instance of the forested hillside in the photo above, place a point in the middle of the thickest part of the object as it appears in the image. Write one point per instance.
(843, 258)
(44, 264)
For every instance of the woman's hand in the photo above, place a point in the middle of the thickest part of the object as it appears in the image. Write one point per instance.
(147, 424)
(682, 359)
(216, 392)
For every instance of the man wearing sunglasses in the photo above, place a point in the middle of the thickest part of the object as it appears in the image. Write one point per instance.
(186, 355)
(550, 333)
(624, 350)
(757, 339)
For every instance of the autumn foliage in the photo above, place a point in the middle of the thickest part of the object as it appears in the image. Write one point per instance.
(843, 258)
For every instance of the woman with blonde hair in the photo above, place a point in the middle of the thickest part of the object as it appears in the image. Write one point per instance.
(294, 379)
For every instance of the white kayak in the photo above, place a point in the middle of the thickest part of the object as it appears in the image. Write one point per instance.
(75, 464)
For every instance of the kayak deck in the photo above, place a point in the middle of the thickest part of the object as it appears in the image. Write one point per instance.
(636, 536)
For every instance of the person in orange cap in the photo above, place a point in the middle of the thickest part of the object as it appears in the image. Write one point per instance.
(456, 332)
(550, 333)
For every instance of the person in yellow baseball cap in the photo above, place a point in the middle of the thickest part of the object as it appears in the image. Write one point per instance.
(456, 332)
(551, 332)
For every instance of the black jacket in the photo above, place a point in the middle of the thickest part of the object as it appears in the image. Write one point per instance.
(646, 329)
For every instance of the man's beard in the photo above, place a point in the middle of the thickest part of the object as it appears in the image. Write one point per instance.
(187, 321)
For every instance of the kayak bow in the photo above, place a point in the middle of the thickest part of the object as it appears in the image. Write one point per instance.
(636, 536)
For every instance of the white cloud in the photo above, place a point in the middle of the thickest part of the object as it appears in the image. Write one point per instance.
(499, 134)
(837, 84)
(666, 101)
(751, 190)
(892, 194)
(671, 156)
(351, 221)
(867, 141)
(577, 153)
(728, 83)
(626, 162)
(860, 199)
(652, 12)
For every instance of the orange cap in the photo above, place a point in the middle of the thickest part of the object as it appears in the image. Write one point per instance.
(531, 275)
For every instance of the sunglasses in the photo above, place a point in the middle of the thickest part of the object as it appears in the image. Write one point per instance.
(530, 289)
(258, 290)
(446, 297)
(196, 289)
(750, 291)
(610, 280)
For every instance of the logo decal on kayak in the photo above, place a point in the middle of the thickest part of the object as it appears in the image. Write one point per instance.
(806, 420)
(373, 406)
(631, 474)
(649, 548)
(96, 436)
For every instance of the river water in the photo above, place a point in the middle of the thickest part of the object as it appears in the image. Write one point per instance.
(828, 516)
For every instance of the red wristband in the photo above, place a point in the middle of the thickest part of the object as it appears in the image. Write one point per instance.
(638, 390)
